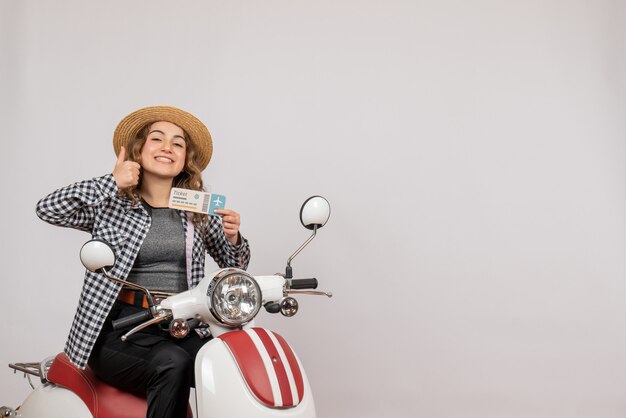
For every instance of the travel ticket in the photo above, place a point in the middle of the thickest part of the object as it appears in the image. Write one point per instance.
(195, 201)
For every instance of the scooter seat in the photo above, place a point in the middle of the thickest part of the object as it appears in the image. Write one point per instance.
(103, 400)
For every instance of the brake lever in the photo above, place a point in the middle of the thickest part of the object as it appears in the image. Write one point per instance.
(162, 316)
(309, 292)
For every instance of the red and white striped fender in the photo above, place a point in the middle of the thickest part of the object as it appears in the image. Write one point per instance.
(268, 365)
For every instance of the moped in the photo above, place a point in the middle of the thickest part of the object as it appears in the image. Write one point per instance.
(243, 371)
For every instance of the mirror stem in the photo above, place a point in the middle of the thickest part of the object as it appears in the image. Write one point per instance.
(132, 285)
(288, 270)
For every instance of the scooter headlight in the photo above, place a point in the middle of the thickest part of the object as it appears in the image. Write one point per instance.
(234, 297)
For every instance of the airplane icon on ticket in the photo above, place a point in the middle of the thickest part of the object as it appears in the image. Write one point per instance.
(218, 201)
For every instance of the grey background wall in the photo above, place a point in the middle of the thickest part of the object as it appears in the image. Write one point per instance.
(472, 153)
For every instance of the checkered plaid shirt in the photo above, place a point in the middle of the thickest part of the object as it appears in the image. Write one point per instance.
(95, 206)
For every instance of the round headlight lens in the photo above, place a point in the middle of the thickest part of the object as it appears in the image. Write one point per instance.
(236, 298)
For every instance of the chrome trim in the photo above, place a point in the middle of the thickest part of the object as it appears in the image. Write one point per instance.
(289, 307)
(223, 275)
(44, 366)
(309, 292)
(6, 412)
(128, 284)
(162, 316)
(302, 246)
(39, 370)
(179, 328)
(26, 368)
(29, 369)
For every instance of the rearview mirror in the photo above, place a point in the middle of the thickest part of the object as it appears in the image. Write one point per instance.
(315, 212)
(96, 255)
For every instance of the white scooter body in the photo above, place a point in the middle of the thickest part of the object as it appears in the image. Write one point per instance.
(243, 371)
(222, 390)
(221, 386)
(52, 401)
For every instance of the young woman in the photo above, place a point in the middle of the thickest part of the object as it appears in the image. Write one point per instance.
(157, 247)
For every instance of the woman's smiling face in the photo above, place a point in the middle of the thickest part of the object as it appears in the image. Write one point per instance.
(163, 154)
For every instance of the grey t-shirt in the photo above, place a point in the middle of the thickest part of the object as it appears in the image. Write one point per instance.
(161, 263)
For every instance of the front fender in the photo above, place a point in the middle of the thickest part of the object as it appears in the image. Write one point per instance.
(237, 377)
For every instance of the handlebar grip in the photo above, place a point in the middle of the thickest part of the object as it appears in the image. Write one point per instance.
(303, 283)
(131, 320)
(193, 323)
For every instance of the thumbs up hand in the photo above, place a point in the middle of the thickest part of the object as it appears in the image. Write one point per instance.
(125, 173)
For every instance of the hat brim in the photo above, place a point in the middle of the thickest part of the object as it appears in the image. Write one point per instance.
(130, 126)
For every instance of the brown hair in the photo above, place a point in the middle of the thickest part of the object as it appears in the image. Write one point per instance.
(189, 178)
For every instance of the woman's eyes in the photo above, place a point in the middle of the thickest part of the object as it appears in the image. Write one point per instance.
(176, 144)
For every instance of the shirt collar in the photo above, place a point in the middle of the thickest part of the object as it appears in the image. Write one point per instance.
(128, 204)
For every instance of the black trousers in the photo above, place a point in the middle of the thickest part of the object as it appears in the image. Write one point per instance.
(150, 363)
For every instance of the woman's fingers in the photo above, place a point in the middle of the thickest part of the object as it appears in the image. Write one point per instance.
(230, 221)
(126, 173)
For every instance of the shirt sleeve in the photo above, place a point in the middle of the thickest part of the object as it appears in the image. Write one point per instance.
(221, 249)
(75, 205)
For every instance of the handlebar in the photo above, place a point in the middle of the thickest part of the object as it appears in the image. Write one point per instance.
(131, 320)
(303, 283)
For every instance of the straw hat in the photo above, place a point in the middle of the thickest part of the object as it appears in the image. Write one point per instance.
(130, 126)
